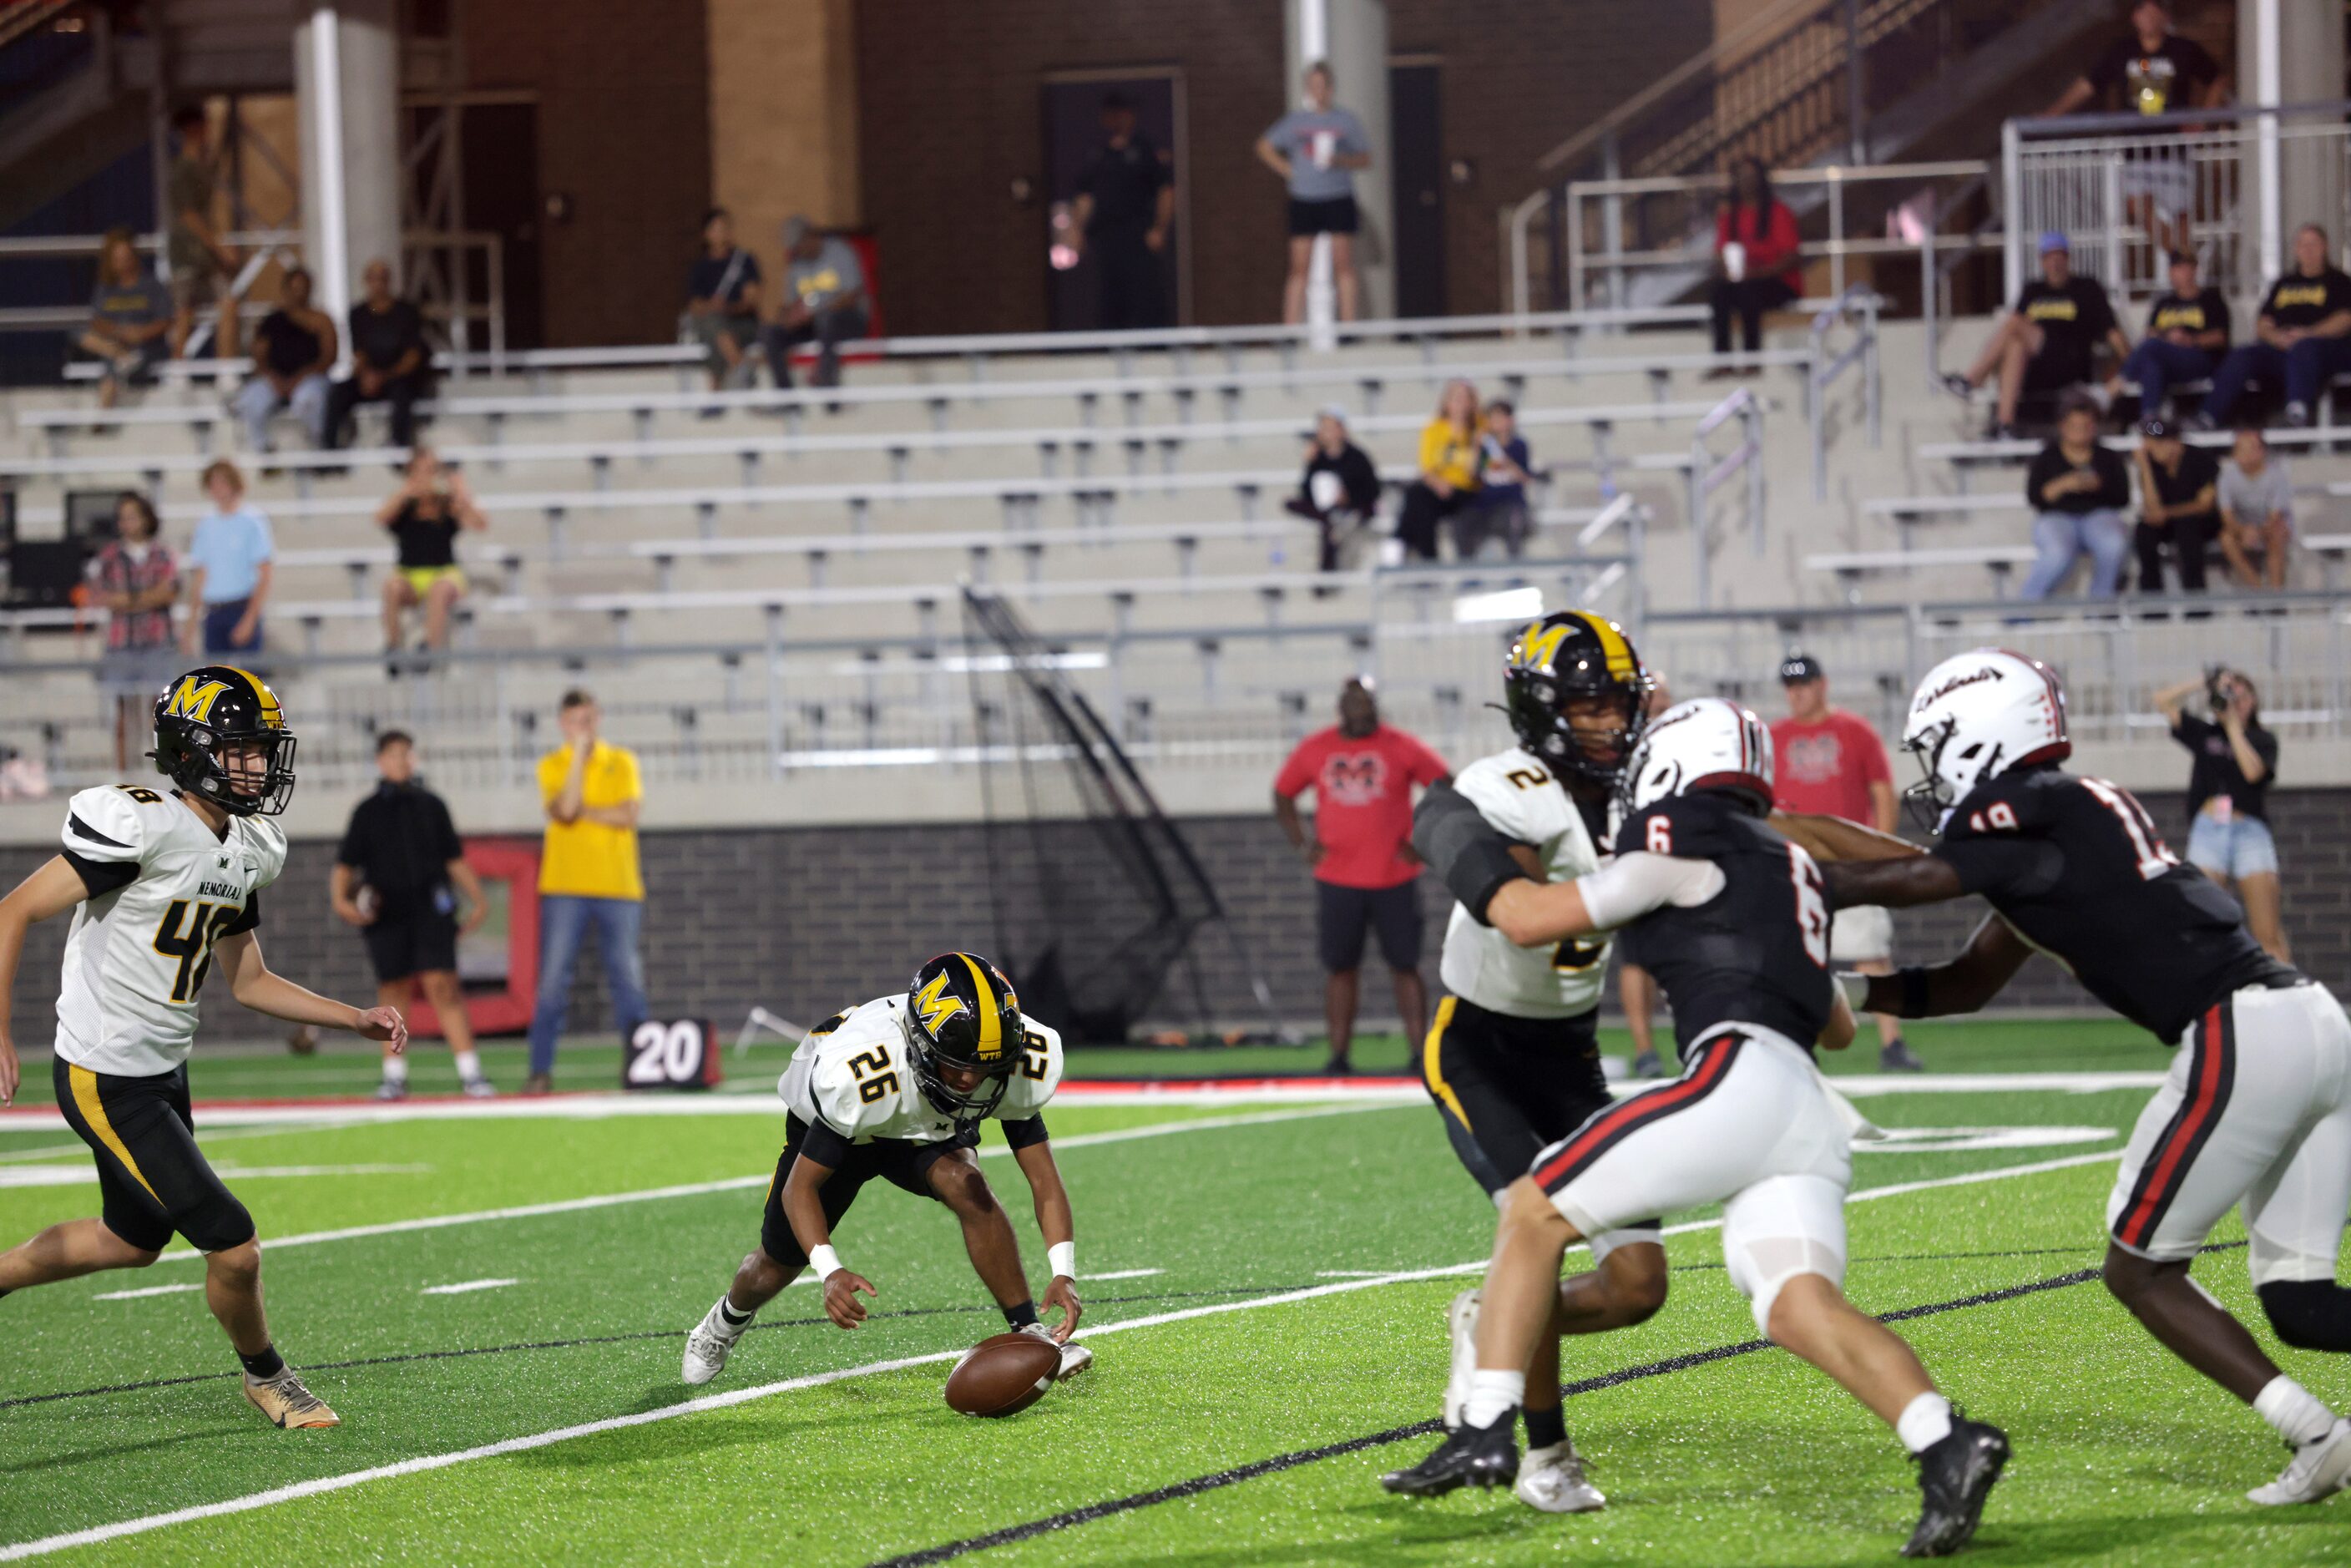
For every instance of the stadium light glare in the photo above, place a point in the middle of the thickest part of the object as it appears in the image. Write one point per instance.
(1507, 605)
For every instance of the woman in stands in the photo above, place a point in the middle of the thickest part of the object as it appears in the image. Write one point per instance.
(424, 517)
(1755, 260)
(1450, 447)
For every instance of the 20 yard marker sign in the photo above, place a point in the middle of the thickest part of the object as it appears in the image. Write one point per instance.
(675, 1054)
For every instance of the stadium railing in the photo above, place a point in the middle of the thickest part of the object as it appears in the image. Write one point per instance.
(1964, 457)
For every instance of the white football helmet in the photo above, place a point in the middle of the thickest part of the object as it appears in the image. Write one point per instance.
(1706, 743)
(1974, 718)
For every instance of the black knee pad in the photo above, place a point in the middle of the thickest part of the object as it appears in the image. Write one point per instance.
(2308, 1315)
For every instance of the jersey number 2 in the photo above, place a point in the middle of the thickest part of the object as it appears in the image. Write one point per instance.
(1812, 905)
(194, 945)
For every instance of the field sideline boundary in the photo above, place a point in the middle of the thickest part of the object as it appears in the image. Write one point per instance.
(321, 1485)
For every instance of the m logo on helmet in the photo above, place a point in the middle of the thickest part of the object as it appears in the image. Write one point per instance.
(937, 1003)
(194, 700)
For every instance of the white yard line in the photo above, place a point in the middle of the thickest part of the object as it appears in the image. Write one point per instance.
(1128, 1274)
(76, 1174)
(324, 1484)
(466, 1287)
(148, 1291)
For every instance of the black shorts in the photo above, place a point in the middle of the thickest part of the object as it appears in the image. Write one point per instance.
(2057, 367)
(1508, 1088)
(154, 1178)
(1346, 915)
(1336, 216)
(897, 1161)
(409, 945)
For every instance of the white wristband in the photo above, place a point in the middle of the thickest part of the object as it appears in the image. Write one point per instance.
(1856, 988)
(826, 1262)
(1064, 1258)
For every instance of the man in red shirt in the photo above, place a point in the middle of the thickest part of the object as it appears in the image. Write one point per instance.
(1365, 874)
(1831, 763)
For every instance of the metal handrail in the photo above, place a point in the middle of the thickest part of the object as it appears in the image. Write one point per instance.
(1709, 473)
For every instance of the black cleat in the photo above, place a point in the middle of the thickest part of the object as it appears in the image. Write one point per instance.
(1646, 1064)
(1470, 1455)
(1955, 1475)
(1897, 1057)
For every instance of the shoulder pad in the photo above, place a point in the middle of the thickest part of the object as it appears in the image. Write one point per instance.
(111, 822)
(266, 841)
(1517, 795)
(1040, 1073)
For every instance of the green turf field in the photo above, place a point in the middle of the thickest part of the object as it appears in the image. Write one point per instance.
(1279, 1322)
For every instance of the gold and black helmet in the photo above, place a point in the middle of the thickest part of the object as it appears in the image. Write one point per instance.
(208, 711)
(1567, 656)
(961, 1012)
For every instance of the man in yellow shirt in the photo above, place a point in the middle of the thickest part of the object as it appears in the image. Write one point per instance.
(587, 876)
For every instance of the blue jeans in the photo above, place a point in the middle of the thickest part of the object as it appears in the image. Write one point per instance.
(220, 622)
(256, 400)
(2304, 371)
(2156, 364)
(2061, 537)
(563, 922)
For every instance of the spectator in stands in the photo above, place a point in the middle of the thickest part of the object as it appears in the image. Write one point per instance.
(2256, 512)
(1499, 509)
(1827, 761)
(1124, 209)
(294, 348)
(1755, 260)
(2187, 333)
(2229, 837)
(2178, 507)
(2044, 345)
(391, 363)
(1366, 875)
(825, 302)
(1450, 452)
(2301, 338)
(202, 264)
(1340, 489)
(588, 875)
(722, 301)
(2150, 70)
(135, 578)
(2079, 490)
(130, 315)
(1316, 151)
(398, 879)
(424, 516)
(229, 570)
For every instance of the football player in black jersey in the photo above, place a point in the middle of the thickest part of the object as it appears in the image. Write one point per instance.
(2256, 1112)
(1732, 920)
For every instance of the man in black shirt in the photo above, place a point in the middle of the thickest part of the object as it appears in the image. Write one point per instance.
(2229, 837)
(397, 877)
(722, 301)
(2187, 333)
(2302, 339)
(2044, 345)
(2078, 489)
(2150, 70)
(390, 360)
(2256, 1111)
(1125, 202)
(294, 348)
(1340, 489)
(2178, 506)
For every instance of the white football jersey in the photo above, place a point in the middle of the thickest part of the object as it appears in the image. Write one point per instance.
(1525, 804)
(163, 890)
(853, 1076)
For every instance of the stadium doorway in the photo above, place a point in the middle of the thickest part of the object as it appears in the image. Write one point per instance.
(1072, 120)
(1416, 139)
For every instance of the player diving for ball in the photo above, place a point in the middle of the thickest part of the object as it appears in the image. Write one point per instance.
(2256, 1111)
(163, 888)
(1732, 920)
(897, 1088)
(1512, 1060)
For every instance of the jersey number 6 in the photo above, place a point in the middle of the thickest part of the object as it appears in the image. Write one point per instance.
(1811, 906)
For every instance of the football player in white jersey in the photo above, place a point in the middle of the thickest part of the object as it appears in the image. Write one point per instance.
(1513, 1058)
(162, 888)
(897, 1088)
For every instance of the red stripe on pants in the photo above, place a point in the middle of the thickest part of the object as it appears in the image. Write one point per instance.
(2175, 1148)
(1639, 1108)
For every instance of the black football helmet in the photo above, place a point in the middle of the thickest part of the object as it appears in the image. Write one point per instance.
(203, 712)
(1568, 654)
(961, 1012)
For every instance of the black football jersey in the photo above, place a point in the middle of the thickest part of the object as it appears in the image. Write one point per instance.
(2076, 867)
(1756, 952)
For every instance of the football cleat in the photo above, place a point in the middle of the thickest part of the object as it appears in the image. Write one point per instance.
(1897, 1057)
(2321, 1468)
(1647, 1065)
(388, 1090)
(1075, 1358)
(1955, 1476)
(1461, 1323)
(1474, 1456)
(286, 1403)
(708, 1346)
(480, 1089)
(1552, 1480)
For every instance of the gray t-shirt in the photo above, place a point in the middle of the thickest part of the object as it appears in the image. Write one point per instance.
(834, 271)
(1309, 138)
(142, 303)
(2252, 500)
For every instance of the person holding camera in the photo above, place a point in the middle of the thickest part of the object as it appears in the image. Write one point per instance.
(2229, 837)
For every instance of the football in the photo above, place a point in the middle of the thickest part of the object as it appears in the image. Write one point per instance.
(1003, 1375)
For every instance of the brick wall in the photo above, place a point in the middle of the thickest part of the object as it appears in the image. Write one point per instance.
(950, 109)
(804, 921)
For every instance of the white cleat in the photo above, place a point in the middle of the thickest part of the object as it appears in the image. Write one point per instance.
(1553, 1480)
(480, 1089)
(1461, 1321)
(708, 1346)
(2321, 1468)
(1075, 1357)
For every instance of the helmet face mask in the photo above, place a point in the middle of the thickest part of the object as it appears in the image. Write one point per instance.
(1568, 676)
(962, 1018)
(220, 736)
(1976, 716)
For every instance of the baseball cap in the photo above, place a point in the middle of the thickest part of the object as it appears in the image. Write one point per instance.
(1797, 668)
(2052, 240)
(1337, 411)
